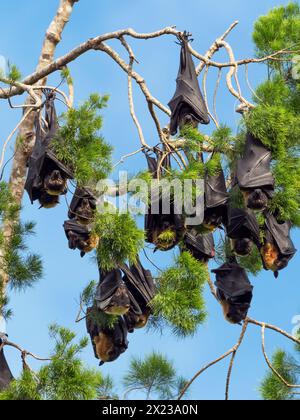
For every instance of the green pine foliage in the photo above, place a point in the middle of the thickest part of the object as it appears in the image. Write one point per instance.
(22, 267)
(14, 73)
(120, 239)
(79, 144)
(275, 120)
(65, 377)
(272, 388)
(155, 376)
(276, 31)
(179, 300)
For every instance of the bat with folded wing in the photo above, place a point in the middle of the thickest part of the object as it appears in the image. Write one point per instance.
(234, 291)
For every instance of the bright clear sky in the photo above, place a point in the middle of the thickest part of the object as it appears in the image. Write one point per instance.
(55, 298)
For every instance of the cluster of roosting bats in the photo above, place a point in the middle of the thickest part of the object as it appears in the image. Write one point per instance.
(127, 292)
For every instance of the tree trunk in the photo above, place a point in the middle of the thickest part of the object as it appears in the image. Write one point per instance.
(23, 148)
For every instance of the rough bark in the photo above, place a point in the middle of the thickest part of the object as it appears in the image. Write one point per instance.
(26, 138)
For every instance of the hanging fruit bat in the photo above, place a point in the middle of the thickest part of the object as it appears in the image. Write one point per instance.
(201, 246)
(108, 343)
(141, 287)
(243, 230)
(278, 248)
(112, 296)
(6, 376)
(234, 291)
(46, 173)
(187, 105)
(216, 201)
(80, 237)
(254, 174)
(83, 206)
(163, 230)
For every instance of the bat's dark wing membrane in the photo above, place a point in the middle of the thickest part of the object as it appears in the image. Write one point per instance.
(234, 287)
(80, 230)
(200, 245)
(111, 283)
(157, 223)
(243, 224)
(232, 280)
(215, 190)
(188, 94)
(92, 328)
(5, 373)
(33, 183)
(119, 335)
(254, 168)
(280, 233)
(42, 156)
(140, 283)
(79, 195)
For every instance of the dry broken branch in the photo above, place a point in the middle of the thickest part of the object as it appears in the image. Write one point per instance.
(263, 329)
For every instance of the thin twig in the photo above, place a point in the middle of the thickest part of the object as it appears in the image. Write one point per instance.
(216, 94)
(204, 82)
(276, 373)
(11, 136)
(273, 328)
(245, 326)
(123, 158)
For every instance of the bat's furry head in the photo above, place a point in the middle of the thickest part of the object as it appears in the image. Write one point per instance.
(234, 314)
(120, 303)
(213, 218)
(272, 258)
(242, 247)
(256, 200)
(48, 201)
(84, 212)
(105, 348)
(143, 320)
(86, 246)
(55, 183)
(186, 117)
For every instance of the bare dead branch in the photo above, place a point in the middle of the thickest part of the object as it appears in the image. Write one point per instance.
(22, 351)
(123, 158)
(273, 328)
(276, 373)
(216, 94)
(205, 96)
(11, 136)
(239, 343)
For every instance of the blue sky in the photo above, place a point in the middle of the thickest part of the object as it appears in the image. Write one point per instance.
(55, 298)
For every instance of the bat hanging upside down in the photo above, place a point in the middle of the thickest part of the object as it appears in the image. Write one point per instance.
(278, 248)
(243, 231)
(80, 237)
(254, 174)
(108, 343)
(234, 291)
